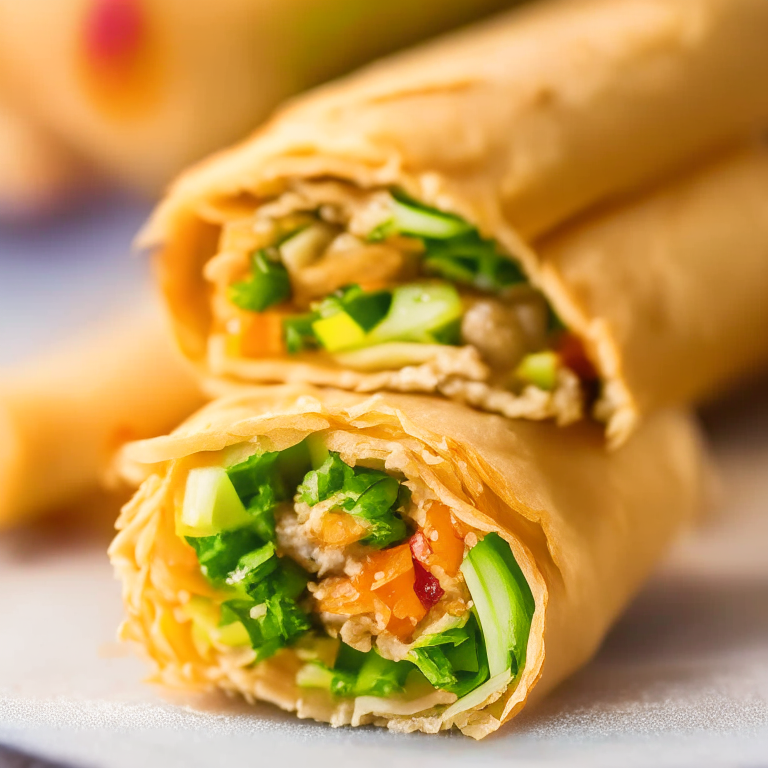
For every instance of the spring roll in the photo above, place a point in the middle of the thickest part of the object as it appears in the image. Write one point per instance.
(63, 416)
(396, 231)
(391, 559)
(144, 87)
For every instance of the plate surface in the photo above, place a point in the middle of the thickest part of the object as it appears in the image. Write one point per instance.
(681, 680)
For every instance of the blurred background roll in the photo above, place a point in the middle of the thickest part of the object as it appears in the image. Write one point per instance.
(64, 414)
(140, 88)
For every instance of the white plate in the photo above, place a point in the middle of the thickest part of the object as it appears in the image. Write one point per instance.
(682, 679)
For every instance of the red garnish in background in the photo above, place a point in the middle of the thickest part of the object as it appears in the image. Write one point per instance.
(114, 33)
(420, 549)
(573, 356)
(426, 586)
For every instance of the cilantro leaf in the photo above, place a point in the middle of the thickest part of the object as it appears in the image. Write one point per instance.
(368, 494)
(253, 567)
(270, 625)
(218, 555)
(264, 480)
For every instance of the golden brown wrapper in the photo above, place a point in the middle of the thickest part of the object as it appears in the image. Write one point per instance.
(586, 526)
(144, 87)
(519, 126)
(64, 415)
(667, 289)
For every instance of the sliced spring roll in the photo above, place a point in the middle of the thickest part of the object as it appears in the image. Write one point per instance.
(64, 415)
(144, 87)
(399, 560)
(392, 231)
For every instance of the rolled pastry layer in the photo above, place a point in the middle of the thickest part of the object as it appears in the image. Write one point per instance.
(144, 87)
(63, 416)
(393, 559)
(439, 223)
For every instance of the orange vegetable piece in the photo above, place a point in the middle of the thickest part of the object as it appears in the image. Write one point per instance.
(340, 529)
(448, 546)
(261, 335)
(385, 581)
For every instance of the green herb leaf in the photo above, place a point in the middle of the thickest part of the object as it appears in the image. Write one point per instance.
(356, 674)
(253, 567)
(376, 506)
(371, 495)
(381, 677)
(218, 555)
(367, 309)
(471, 260)
(315, 674)
(453, 660)
(264, 480)
(271, 625)
(268, 284)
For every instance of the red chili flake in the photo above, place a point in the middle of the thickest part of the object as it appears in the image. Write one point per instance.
(573, 356)
(114, 31)
(426, 586)
(420, 548)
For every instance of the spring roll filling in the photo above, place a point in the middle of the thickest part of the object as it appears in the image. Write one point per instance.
(369, 583)
(407, 297)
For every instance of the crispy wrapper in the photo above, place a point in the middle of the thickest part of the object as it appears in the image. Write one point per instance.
(64, 415)
(144, 88)
(585, 526)
(527, 127)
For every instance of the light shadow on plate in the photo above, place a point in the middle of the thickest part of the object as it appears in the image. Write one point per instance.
(85, 524)
(680, 617)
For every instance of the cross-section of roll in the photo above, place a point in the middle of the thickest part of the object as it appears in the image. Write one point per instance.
(392, 232)
(394, 559)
